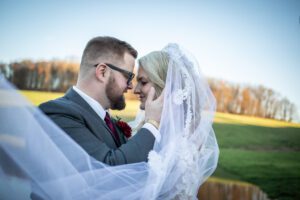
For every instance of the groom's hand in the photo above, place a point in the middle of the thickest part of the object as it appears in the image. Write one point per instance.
(153, 108)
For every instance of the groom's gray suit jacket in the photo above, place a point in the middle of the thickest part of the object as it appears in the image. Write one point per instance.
(73, 114)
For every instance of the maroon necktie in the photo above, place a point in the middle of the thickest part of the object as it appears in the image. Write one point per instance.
(112, 128)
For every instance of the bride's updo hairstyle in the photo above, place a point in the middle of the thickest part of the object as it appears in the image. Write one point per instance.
(155, 65)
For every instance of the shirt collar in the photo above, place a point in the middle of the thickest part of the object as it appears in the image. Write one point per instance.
(96, 106)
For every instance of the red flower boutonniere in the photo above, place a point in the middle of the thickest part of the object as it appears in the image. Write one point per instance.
(126, 129)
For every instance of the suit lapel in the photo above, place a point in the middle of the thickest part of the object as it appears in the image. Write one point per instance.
(93, 120)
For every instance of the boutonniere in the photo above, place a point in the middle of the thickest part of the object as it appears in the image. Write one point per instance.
(126, 129)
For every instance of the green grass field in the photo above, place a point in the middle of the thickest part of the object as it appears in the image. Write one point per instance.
(265, 156)
(264, 152)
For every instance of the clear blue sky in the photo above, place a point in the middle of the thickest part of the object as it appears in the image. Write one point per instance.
(252, 42)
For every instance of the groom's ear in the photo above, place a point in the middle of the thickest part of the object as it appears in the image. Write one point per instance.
(101, 72)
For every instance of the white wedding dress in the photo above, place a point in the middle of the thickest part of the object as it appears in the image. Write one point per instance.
(40, 156)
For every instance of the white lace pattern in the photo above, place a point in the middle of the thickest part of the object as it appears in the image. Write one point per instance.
(192, 162)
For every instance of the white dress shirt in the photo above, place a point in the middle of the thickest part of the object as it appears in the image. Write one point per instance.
(96, 106)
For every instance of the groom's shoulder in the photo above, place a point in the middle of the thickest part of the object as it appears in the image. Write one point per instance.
(58, 105)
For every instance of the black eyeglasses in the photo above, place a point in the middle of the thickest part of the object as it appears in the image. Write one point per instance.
(127, 74)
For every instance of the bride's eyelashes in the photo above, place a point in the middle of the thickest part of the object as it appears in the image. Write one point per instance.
(144, 82)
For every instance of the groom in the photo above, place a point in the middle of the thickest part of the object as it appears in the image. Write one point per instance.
(105, 75)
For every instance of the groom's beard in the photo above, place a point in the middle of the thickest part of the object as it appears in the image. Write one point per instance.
(117, 102)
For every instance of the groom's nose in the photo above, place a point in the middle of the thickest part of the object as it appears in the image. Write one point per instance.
(130, 86)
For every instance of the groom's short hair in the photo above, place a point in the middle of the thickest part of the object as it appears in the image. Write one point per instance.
(105, 47)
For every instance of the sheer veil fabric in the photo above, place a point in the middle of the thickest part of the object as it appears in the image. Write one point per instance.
(38, 153)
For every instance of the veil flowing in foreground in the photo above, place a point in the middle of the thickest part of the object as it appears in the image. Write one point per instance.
(37, 156)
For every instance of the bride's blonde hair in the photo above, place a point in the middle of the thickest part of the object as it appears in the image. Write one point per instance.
(155, 65)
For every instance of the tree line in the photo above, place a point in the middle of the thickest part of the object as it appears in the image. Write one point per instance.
(252, 101)
(53, 75)
(58, 76)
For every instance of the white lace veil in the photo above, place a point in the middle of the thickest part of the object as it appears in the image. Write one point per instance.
(37, 156)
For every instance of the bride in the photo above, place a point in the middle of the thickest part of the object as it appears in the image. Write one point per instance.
(34, 151)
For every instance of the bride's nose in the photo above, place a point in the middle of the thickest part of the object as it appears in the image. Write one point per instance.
(137, 89)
